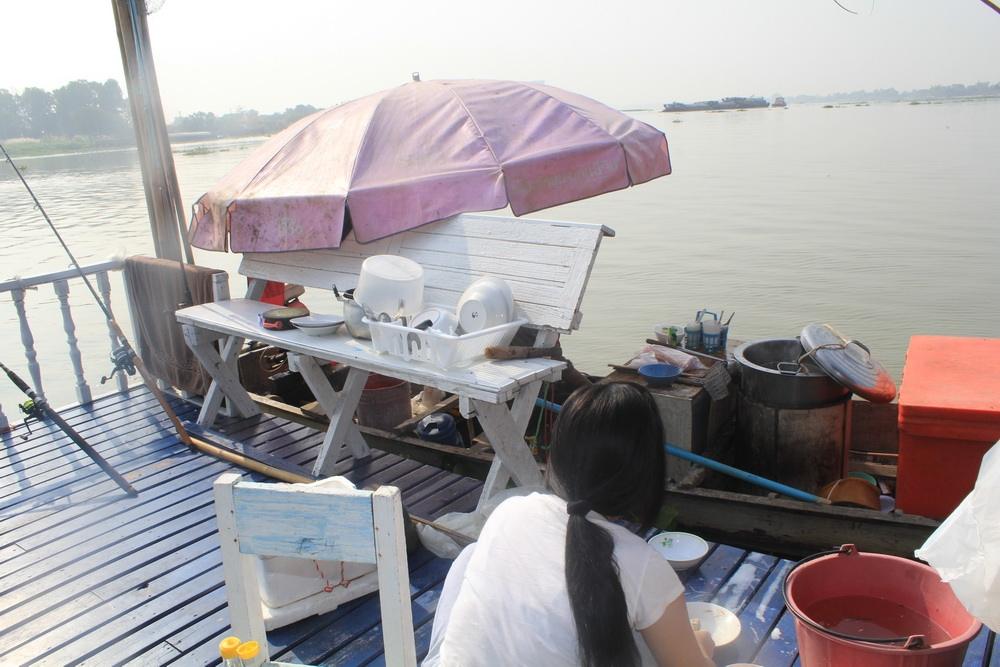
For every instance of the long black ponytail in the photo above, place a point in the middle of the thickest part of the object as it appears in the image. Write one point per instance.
(607, 456)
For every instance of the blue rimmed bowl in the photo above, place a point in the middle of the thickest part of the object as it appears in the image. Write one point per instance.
(660, 375)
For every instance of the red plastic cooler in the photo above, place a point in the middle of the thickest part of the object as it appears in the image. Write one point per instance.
(949, 416)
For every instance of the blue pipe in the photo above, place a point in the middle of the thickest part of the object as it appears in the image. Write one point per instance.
(712, 464)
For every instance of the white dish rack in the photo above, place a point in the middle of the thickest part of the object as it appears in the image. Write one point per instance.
(440, 349)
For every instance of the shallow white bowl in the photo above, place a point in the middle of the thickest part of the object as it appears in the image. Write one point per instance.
(682, 550)
(318, 325)
(718, 621)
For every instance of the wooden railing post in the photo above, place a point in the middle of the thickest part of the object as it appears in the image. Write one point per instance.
(82, 388)
(4, 424)
(104, 285)
(28, 341)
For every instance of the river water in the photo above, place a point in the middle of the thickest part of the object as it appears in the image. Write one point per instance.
(882, 220)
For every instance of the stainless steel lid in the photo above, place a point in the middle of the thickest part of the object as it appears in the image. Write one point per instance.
(848, 362)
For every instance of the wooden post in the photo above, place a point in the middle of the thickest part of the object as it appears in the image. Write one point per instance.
(163, 198)
(4, 424)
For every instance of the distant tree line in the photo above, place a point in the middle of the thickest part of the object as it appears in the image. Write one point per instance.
(80, 108)
(240, 123)
(981, 89)
(99, 110)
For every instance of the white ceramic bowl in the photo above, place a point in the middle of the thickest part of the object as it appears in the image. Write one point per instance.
(722, 624)
(488, 302)
(392, 285)
(682, 550)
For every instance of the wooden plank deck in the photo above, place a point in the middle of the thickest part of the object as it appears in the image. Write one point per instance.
(91, 576)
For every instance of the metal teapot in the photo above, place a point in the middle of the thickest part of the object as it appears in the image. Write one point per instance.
(353, 314)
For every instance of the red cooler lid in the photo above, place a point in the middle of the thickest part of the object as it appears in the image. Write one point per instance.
(848, 362)
(951, 388)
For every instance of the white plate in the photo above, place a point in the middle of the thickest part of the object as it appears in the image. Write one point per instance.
(683, 550)
(318, 325)
(316, 320)
(718, 621)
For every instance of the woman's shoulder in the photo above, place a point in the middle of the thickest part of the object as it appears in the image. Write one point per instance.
(533, 503)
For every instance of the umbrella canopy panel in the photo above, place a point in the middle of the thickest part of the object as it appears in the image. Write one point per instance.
(421, 152)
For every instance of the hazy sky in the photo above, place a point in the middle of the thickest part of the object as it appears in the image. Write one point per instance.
(217, 55)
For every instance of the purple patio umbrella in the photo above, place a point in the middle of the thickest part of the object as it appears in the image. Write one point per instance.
(421, 152)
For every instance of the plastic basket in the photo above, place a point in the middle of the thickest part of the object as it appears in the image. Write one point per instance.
(436, 348)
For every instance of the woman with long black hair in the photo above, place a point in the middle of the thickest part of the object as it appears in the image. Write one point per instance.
(552, 580)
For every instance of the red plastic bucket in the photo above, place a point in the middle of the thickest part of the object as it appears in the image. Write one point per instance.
(857, 609)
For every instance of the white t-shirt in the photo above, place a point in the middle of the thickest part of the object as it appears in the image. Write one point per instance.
(505, 600)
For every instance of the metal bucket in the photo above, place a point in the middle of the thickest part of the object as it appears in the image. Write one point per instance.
(792, 425)
(771, 373)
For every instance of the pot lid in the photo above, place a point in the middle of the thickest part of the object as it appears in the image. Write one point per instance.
(848, 362)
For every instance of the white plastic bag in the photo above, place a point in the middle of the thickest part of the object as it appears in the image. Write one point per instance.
(466, 523)
(652, 354)
(965, 549)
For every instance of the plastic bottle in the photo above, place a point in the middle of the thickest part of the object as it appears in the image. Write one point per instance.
(227, 651)
(247, 652)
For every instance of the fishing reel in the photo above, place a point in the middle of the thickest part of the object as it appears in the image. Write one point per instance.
(33, 410)
(123, 360)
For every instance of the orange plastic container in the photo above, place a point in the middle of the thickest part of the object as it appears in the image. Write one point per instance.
(949, 417)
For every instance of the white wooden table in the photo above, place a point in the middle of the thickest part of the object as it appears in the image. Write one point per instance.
(488, 385)
(546, 263)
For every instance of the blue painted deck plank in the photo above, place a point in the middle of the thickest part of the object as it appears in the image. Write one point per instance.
(45, 434)
(141, 576)
(151, 487)
(780, 648)
(975, 655)
(740, 586)
(92, 476)
(369, 647)
(134, 620)
(105, 564)
(761, 612)
(30, 602)
(703, 582)
(73, 460)
(103, 618)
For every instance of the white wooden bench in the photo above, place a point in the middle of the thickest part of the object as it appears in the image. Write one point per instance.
(546, 263)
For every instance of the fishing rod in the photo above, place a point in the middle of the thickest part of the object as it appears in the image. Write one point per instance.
(123, 357)
(38, 408)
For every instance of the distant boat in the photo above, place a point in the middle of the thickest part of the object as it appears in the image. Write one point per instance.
(779, 102)
(726, 103)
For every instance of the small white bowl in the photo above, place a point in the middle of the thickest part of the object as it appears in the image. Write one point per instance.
(682, 550)
(722, 624)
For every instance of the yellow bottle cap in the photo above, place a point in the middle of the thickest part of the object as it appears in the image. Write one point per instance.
(248, 650)
(227, 647)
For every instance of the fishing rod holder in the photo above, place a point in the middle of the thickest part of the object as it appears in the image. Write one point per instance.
(123, 361)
